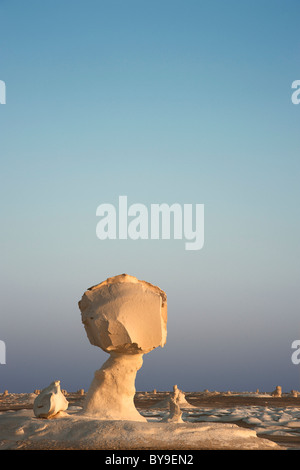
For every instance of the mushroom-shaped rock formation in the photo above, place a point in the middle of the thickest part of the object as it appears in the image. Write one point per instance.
(50, 401)
(126, 318)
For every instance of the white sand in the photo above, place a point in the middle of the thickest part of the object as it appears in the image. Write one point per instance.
(20, 429)
(202, 427)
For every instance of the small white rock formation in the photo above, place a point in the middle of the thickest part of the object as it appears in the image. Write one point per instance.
(179, 398)
(277, 392)
(175, 415)
(126, 318)
(50, 401)
(175, 399)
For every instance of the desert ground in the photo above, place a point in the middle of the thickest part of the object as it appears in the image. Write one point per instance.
(270, 421)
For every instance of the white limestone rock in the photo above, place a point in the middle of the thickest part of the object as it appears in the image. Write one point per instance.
(126, 318)
(50, 401)
(177, 396)
(175, 415)
(125, 315)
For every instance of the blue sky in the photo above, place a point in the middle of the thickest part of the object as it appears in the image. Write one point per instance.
(162, 101)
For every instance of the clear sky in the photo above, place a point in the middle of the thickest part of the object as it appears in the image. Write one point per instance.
(164, 101)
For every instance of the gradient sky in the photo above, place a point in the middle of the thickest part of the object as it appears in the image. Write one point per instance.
(185, 101)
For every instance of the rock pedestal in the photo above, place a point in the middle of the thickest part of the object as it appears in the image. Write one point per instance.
(111, 394)
(127, 318)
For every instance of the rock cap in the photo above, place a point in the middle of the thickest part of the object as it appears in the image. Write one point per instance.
(125, 315)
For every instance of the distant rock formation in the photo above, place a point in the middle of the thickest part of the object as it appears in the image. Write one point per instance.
(126, 318)
(50, 401)
(175, 415)
(178, 396)
(277, 393)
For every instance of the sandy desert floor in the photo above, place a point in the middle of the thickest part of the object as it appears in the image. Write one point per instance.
(276, 420)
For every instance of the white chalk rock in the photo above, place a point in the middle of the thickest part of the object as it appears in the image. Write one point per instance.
(125, 315)
(50, 401)
(179, 398)
(126, 318)
(175, 415)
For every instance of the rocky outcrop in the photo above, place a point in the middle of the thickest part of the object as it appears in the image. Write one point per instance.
(277, 392)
